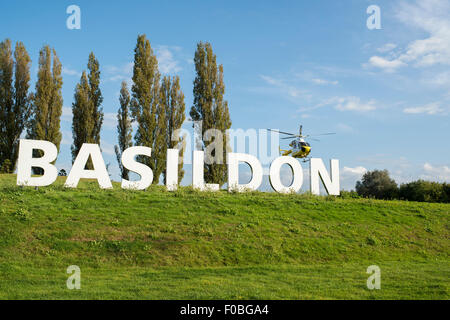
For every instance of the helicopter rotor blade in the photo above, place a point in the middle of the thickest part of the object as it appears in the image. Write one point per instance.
(291, 134)
(322, 134)
(293, 137)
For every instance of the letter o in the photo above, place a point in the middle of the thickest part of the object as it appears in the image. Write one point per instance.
(275, 179)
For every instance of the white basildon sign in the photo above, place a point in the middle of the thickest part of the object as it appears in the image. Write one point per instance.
(26, 162)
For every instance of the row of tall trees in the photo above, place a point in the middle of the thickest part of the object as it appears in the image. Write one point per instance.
(156, 106)
(39, 112)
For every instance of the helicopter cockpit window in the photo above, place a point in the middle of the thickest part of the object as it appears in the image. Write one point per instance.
(304, 144)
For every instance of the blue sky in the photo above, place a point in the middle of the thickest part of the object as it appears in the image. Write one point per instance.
(384, 92)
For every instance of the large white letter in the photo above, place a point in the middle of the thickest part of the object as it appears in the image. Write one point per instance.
(100, 173)
(297, 172)
(141, 169)
(233, 172)
(172, 169)
(317, 169)
(26, 162)
(74, 20)
(374, 21)
(198, 181)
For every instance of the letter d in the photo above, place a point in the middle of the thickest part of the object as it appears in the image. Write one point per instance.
(26, 162)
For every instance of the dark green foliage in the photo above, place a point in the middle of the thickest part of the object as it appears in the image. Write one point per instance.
(14, 99)
(95, 97)
(424, 191)
(211, 108)
(6, 167)
(124, 128)
(172, 100)
(146, 108)
(377, 184)
(349, 194)
(86, 109)
(47, 102)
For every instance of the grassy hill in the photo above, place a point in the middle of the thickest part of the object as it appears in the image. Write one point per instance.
(156, 244)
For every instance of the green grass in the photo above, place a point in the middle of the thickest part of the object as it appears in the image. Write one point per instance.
(156, 244)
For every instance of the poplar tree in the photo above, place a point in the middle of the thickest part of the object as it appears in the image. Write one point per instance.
(95, 97)
(210, 107)
(14, 100)
(146, 108)
(86, 109)
(172, 98)
(124, 128)
(82, 125)
(47, 102)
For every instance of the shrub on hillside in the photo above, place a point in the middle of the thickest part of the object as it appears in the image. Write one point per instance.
(6, 167)
(446, 187)
(424, 191)
(349, 194)
(377, 184)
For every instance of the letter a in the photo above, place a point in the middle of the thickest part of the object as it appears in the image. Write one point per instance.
(374, 21)
(74, 20)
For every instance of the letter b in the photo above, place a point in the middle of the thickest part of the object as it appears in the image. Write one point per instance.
(26, 162)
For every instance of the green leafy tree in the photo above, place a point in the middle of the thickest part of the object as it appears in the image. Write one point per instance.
(47, 103)
(6, 167)
(124, 128)
(95, 96)
(211, 108)
(14, 100)
(377, 184)
(86, 109)
(424, 191)
(172, 100)
(146, 108)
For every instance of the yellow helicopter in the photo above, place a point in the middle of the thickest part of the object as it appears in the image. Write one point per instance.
(300, 148)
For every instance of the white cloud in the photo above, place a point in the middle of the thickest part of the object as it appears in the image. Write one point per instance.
(438, 79)
(70, 72)
(349, 176)
(166, 60)
(67, 114)
(110, 120)
(107, 148)
(345, 128)
(67, 138)
(351, 104)
(324, 82)
(387, 47)
(436, 173)
(433, 108)
(387, 65)
(358, 171)
(432, 17)
(119, 73)
(124, 69)
(292, 91)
